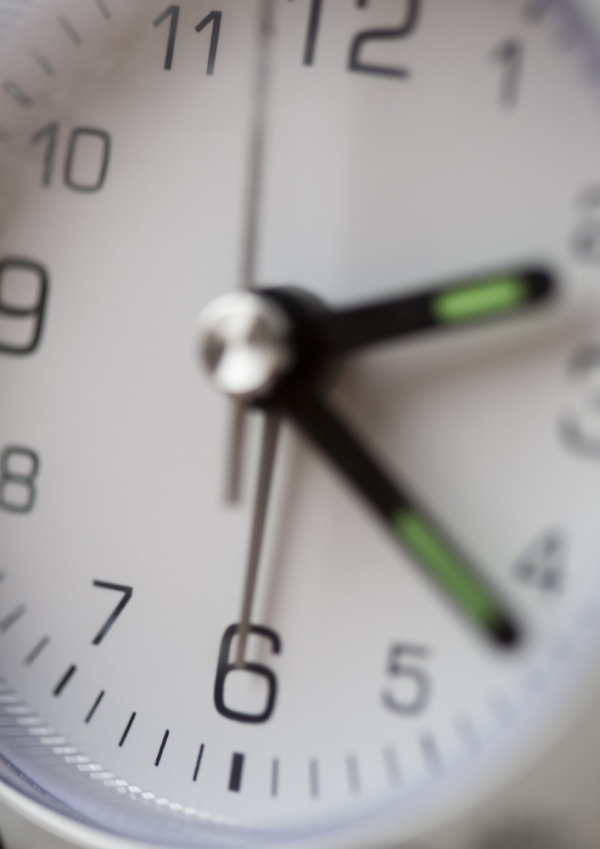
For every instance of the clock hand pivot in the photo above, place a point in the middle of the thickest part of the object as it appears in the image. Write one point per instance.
(243, 341)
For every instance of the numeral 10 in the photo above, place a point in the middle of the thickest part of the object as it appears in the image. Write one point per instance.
(86, 161)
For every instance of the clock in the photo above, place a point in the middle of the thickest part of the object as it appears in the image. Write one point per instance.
(300, 433)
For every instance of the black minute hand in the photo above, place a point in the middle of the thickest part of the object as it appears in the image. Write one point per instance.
(453, 305)
(428, 545)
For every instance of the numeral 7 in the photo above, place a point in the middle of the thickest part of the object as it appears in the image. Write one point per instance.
(127, 593)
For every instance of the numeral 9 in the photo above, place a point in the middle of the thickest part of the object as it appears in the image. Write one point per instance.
(23, 297)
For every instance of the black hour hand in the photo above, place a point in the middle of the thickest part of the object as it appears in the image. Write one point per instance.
(455, 305)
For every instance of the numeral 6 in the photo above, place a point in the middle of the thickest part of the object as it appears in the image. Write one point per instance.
(225, 668)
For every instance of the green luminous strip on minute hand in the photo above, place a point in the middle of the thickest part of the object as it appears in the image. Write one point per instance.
(481, 300)
(428, 545)
(447, 569)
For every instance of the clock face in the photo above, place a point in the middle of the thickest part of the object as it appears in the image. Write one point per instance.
(155, 157)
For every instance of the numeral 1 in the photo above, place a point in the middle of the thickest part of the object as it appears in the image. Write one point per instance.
(312, 33)
(213, 18)
(510, 54)
(49, 135)
(173, 13)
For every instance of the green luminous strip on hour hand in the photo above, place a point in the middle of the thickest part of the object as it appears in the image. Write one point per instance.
(480, 300)
(469, 593)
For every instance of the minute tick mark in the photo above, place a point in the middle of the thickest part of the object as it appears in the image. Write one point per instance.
(536, 10)
(43, 61)
(70, 30)
(12, 617)
(275, 777)
(162, 748)
(235, 776)
(466, 730)
(392, 765)
(431, 752)
(103, 8)
(127, 728)
(94, 707)
(36, 651)
(501, 707)
(313, 778)
(198, 762)
(17, 94)
(64, 680)
(353, 773)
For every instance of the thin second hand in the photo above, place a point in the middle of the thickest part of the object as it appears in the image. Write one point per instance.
(261, 504)
(257, 147)
(235, 451)
(235, 456)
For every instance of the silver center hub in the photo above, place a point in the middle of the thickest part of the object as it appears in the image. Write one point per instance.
(243, 340)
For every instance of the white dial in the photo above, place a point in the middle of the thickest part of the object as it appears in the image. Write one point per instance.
(156, 157)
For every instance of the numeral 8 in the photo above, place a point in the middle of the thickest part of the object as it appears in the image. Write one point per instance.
(19, 469)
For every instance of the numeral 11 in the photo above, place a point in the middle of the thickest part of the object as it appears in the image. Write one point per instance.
(171, 14)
